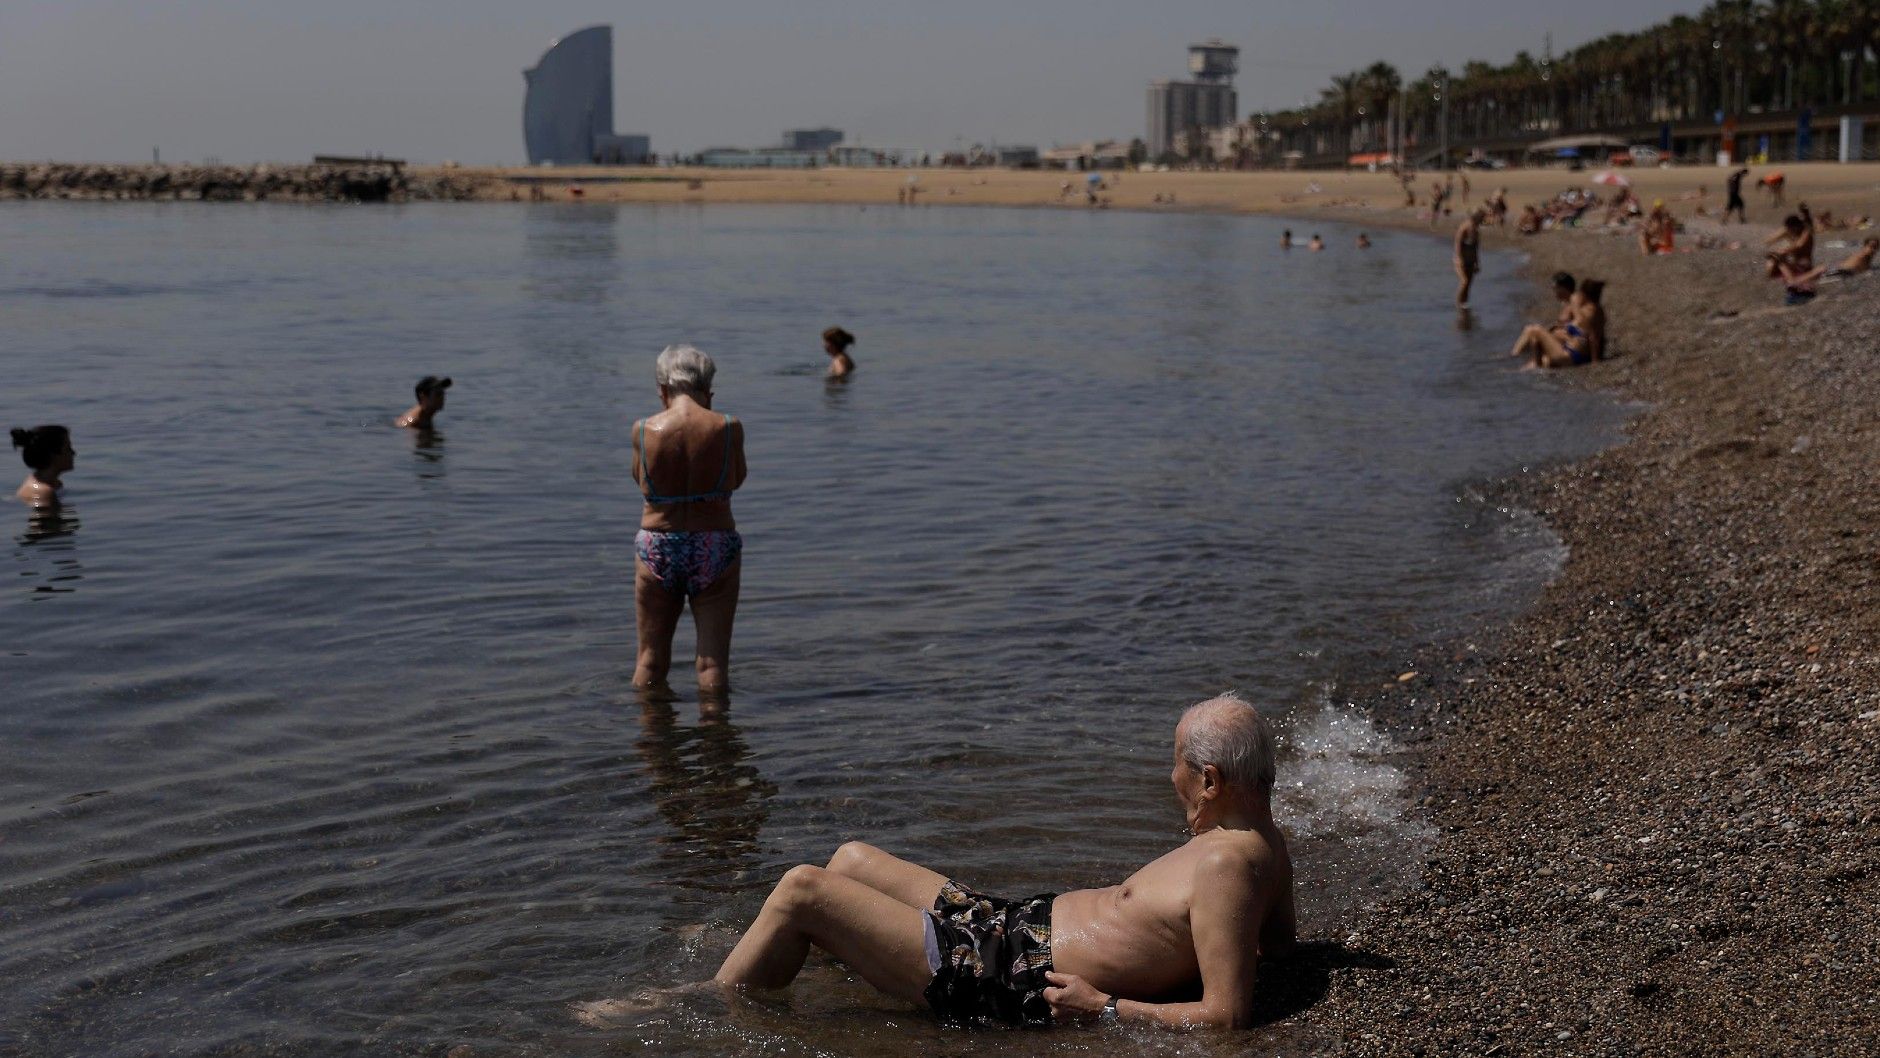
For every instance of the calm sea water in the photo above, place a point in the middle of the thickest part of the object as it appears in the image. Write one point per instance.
(318, 739)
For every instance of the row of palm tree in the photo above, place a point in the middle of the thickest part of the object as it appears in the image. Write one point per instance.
(1734, 57)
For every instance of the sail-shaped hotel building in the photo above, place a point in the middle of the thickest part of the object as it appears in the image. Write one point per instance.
(568, 114)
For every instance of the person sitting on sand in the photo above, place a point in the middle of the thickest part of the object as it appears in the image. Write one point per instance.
(1657, 234)
(1859, 263)
(430, 393)
(836, 342)
(1530, 223)
(1468, 255)
(1793, 247)
(1564, 288)
(47, 451)
(1316, 244)
(1701, 197)
(687, 461)
(1577, 340)
(1364, 241)
(1196, 921)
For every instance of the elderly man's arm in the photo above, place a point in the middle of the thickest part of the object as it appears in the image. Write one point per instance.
(1225, 919)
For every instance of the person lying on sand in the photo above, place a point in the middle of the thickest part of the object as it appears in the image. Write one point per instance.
(1176, 945)
(1793, 246)
(1858, 263)
(1576, 341)
(430, 393)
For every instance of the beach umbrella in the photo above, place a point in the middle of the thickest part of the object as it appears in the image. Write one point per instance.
(1611, 179)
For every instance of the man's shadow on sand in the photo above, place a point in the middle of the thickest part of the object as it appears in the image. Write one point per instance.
(1295, 984)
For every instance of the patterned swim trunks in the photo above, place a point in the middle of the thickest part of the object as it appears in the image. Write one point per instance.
(989, 957)
(687, 563)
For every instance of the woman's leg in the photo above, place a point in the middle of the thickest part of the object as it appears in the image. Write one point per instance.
(658, 613)
(1550, 351)
(713, 611)
(879, 937)
(1529, 336)
(910, 883)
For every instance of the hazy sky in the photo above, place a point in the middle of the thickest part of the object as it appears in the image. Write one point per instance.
(249, 80)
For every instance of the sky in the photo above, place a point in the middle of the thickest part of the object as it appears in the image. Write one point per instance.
(272, 80)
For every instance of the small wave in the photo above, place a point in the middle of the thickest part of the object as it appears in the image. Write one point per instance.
(1337, 781)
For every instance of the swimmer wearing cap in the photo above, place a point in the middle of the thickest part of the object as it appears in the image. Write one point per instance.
(430, 393)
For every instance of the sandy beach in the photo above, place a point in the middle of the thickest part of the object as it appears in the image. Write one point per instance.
(1656, 791)
(1842, 188)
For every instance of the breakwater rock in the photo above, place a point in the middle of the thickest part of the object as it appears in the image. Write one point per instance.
(227, 183)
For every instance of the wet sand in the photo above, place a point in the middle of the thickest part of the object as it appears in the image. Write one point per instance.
(1658, 790)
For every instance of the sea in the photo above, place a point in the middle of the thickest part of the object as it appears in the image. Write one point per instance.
(317, 735)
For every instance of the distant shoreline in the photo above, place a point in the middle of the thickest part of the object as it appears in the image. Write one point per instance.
(1356, 195)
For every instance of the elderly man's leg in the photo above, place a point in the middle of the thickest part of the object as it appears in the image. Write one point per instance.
(910, 883)
(879, 937)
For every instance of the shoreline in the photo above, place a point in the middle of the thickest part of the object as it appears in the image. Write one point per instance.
(1655, 790)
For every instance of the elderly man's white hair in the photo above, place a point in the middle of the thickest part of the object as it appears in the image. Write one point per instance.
(1230, 734)
(685, 369)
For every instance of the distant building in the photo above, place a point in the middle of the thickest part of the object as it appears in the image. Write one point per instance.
(1202, 105)
(763, 158)
(812, 139)
(1015, 157)
(568, 113)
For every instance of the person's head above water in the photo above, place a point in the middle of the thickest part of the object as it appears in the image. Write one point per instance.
(684, 369)
(1223, 763)
(836, 340)
(1563, 285)
(46, 449)
(430, 390)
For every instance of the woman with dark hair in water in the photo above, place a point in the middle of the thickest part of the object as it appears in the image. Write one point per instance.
(836, 342)
(48, 451)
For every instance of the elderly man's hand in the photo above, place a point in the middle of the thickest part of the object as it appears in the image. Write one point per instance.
(1073, 998)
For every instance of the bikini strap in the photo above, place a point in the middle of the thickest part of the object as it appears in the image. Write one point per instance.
(724, 470)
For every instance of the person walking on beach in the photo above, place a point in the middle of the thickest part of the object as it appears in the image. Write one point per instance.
(430, 393)
(1195, 922)
(836, 342)
(47, 452)
(1468, 256)
(1734, 203)
(687, 460)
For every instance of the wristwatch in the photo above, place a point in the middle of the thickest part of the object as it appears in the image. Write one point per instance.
(1110, 1015)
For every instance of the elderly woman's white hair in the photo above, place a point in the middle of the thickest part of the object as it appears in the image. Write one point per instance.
(685, 369)
(1230, 734)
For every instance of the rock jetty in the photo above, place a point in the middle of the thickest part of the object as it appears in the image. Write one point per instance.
(228, 183)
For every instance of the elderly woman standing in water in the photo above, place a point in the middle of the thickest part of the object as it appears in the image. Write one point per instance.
(687, 461)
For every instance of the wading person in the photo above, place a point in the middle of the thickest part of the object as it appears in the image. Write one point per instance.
(1468, 256)
(430, 393)
(47, 452)
(1198, 920)
(687, 460)
(836, 342)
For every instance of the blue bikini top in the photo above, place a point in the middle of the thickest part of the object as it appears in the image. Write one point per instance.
(718, 492)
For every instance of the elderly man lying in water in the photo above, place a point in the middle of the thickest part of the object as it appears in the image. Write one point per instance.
(1194, 923)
